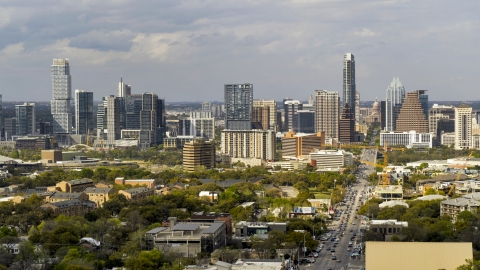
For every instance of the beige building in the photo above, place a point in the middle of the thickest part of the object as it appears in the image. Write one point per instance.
(411, 116)
(453, 207)
(272, 112)
(135, 194)
(65, 196)
(463, 127)
(249, 144)
(388, 192)
(327, 113)
(301, 145)
(74, 185)
(70, 208)
(416, 255)
(51, 156)
(99, 195)
(198, 153)
(149, 183)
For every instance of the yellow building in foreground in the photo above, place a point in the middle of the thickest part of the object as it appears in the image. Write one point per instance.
(416, 255)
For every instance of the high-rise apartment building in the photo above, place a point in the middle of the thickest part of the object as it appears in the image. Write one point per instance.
(291, 107)
(349, 86)
(62, 95)
(463, 127)
(84, 122)
(124, 92)
(198, 152)
(304, 121)
(347, 125)
(113, 118)
(148, 115)
(326, 113)
(249, 144)
(261, 117)
(133, 109)
(2, 123)
(411, 116)
(10, 127)
(25, 119)
(238, 106)
(272, 112)
(394, 100)
(437, 113)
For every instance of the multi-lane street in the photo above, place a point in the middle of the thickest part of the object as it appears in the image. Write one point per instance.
(344, 235)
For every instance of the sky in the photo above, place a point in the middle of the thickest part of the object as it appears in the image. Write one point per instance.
(186, 50)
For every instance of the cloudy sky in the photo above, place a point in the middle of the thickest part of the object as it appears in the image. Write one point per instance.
(185, 50)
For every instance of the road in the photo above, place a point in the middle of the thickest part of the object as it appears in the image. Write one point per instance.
(324, 260)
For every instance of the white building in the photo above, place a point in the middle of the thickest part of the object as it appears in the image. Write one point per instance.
(463, 127)
(332, 158)
(447, 139)
(410, 139)
(249, 144)
(327, 113)
(62, 95)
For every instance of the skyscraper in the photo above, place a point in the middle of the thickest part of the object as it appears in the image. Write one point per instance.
(124, 92)
(326, 113)
(148, 115)
(291, 108)
(349, 87)
(25, 121)
(357, 108)
(238, 106)
(411, 116)
(346, 125)
(2, 122)
(84, 121)
(395, 97)
(272, 110)
(463, 126)
(62, 95)
(113, 118)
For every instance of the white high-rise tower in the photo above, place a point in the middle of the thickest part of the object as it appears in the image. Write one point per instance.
(62, 95)
(393, 103)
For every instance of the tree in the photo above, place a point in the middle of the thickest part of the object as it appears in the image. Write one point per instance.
(469, 265)
(430, 191)
(26, 256)
(145, 260)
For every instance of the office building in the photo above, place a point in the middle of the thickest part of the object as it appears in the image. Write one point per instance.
(463, 127)
(124, 92)
(113, 118)
(383, 113)
(304, 121)
(62, 95)
(272, 112)
(148, 115)
(133, 109)
(394, 100)
(25, 119)
(84, 122)
(197, 127)
(198, 152)
(261, 117)
(446, 113)
(411, 116)
(349, 86)
(300, 145)
(409, 139)
(102, 119)
(161, 125)
(259, 144)
(331, 158)
(238, 106)
(358, 119)
(347, 125)
(291, 107)
(10, 127)
(326, 113)
(206, 107)
(423, 99)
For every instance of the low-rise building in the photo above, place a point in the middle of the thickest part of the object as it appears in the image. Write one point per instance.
(135, 194)
(77, 185)
(387, 227)
(149, 183)
(388, 192)
(453, 207)
(65, 196)
(189, 239)
(410, 139)
(71, 207)
(331, 158)
(99, 195)
(245, 229)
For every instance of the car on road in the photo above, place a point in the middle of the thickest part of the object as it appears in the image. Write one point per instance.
(332, 250)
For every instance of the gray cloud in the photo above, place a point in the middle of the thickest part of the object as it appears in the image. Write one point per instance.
(186, 50)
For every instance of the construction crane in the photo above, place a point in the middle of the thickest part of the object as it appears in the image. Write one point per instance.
(459, 174)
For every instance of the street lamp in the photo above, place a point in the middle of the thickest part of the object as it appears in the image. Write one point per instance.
(334, 182)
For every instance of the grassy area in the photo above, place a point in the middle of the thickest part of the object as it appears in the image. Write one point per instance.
(321, 195)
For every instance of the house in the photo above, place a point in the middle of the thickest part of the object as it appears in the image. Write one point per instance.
(71, 207)
(65, 196)
(74, 185)
(99, 195)
(149, 183)
(212, 196)
(135, 194)
(213, 217)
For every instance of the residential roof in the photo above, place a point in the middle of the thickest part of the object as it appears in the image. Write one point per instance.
(475, 196)
(97, 190)
(461, 202)
(79, 181)
(137, 190)
(63, 195)
(69, 203)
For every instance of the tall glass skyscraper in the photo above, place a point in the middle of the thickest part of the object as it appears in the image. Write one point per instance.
(393, 103)
(349, 87)
(84, 121)
(25, 115)
(62, 95)
(238, 106)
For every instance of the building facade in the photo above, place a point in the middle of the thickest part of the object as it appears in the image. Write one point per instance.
(409, 139)
(198, 153)
(347, 125)
(463, 127)
(327, 113)
(84, 122)
(302, 144)
(272, 112)
(411, 116)
(249, 144)
(25, 119)
(349, 86)
(62, 95)
(304, 121)
(238, 106)
(437, 113)
(395, 97)
(291, 107)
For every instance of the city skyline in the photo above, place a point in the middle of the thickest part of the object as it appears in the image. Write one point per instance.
(186, 51)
